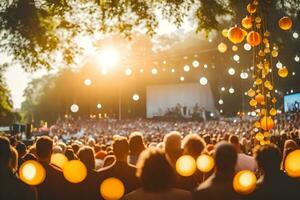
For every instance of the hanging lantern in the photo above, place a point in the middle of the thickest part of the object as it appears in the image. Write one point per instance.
(257, 125)
(234, 48)
(222, 47)
(258, 81)
(273, 112)
(253, 38)
(251, 92)
(267, 123)
(247, 22)
(285, 23)
(260, 98)
(259, 136)
(236, 35)
(251, 8)
(253, 102)
(268, 84)
(225, 32)
(283, 72)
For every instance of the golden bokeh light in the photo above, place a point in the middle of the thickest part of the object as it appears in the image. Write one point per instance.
(244, 182)
(186, 165)
(292, 164)
(75, 171)
(59, 160)
(112, 189)
(32, 172)
(205, 163)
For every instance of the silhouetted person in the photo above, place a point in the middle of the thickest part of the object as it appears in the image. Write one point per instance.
(136, 146)
(120, 168)
(54, 186)
(274, 184)
(219, 185)
(157, 179)
(172, 146)
(21, 148)
(11, 188)
(89, 187)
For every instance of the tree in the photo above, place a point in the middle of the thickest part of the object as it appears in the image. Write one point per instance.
(34, 30)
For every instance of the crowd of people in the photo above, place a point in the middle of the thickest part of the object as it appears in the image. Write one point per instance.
(142, 154)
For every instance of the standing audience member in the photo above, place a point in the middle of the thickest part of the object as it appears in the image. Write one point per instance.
(244, 162)
(11, 188)
(157, 179)
(219, 185)
(172, 146)
(136, 146)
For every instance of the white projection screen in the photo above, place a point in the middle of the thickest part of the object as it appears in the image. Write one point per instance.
(163, 98)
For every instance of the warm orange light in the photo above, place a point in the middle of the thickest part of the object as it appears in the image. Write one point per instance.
(186, 165)
(259, 98)
(75, 171)
(253, 38)
(247, 22)
(251, 8)
(236, 35)
(259, 136)
(32, 172)
(253, 102)
(112, 189)
(285, 23)
(283, 72)
(292, 164)
(267, 123)
(222, 47)
(59, 160)
(205, 163)
(244, 182)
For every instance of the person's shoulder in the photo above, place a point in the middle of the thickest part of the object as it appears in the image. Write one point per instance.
(136, 194)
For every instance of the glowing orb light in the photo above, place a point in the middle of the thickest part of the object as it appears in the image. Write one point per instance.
(186, 165)
(141, 70)
(203, 81)
(205, 163)
(186, 68)
(223, 89)
(236, 57)
(74, 108)
(135, 97)
(279, 65)
(99, 106)
(292, 164)
(104, 71)
(128, 72)
(222, 47)
(247, 46)
(75, 171)
(172, 70)
(231, 71)
(181, 78)
(295, 35)
(221, 101)
(59, 160)
(196, 63)
(297, 58)
(87, 82)
(231, 90)
(154, 71)
(244, 75)
(112, 189)
(32, 172)
(244, 182)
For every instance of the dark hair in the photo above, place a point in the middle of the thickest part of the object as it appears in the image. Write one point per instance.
(44, 147)
(5, 153)
(109, 160)
(21, 148)
(75, 148)
(233, 139)
(268, 157)
(136, 143)
(70, 154)
(225, 157)
(86, 155)
(193, 145)
(120, 147)
(154, 171)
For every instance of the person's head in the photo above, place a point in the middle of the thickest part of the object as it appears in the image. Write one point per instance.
(136, 143)
(172, 146)
(75, 147)
(109, 160)
(5, 153)
(44, 147)
(193, 145)
(86, 155)
(21, 148)
(268, 158)
(154, 171)
(13, 164)
(234, 140)
(121, 148)
(70, 154)
(225, 158)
